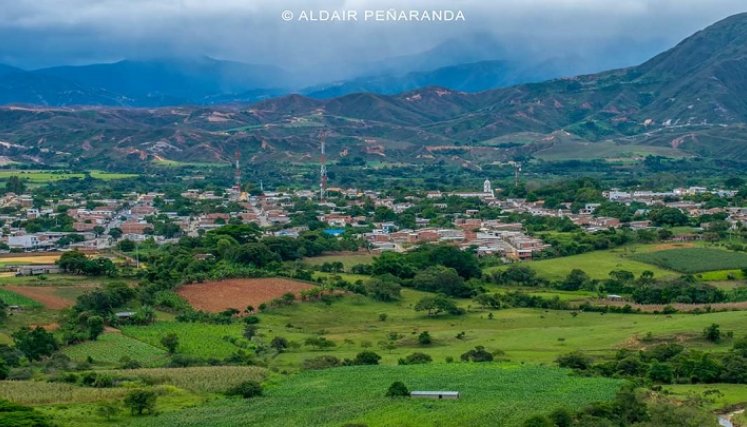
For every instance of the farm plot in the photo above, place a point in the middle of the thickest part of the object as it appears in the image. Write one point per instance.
(40, 392)
(29, 259)
(694, 260)
(52, 297)
(239, 293)
(13, 298)
(355, 395)
(111, 347)
(195, 339)
(201, 379)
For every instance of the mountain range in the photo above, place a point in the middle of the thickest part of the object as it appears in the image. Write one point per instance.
(688, 101)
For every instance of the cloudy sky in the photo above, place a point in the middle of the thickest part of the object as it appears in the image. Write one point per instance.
(38, 33)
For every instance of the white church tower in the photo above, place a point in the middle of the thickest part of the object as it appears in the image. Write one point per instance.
(487, 188)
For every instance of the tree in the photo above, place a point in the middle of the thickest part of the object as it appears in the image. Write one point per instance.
(397, 389)
(126, 245)
(437, 305)
(416, 358)
(477, 354)
(574, 360)
(246, 389)
(712, 333)
(95, 327)
(576, 279)
(425, 338)
(107, 410)
(384, 288)
(366, 358)
(140, 401)
(279, 344)
(441, 279)
(115, 232)
(35, 343)
(171, 342)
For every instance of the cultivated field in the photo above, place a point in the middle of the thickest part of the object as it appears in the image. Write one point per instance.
(201, 379)
(29, 259)
(111, 347)
(695, 260)
(46, 176)
(355, 395)
(52, 297)
(14, 298)
(195, 339)
(41, 392)
(239, 293)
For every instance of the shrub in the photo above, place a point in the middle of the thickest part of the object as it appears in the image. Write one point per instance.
(366, 358)
(415, 359)
(478, 354)
(279, 344)
(246, 389)
(424, 338)
(321, 362)
(712, 333)
(397, 389)
(574, 360)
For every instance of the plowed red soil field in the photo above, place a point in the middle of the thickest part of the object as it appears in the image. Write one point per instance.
(238, 293)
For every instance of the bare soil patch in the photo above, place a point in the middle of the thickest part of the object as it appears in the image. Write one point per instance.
(46, 295)
(239, 293)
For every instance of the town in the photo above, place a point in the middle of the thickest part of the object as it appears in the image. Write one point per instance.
(490, 225)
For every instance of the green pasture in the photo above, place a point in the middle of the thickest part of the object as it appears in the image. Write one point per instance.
(695, 260)
(355, 396)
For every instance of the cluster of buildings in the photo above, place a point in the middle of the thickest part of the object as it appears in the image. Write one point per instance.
(132, 217)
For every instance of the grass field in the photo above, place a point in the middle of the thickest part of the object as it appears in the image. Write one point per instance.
(202, 379)
(348, 260)
(596, 264)
(695, 260)
(719, 395)
(109, 349)
(195, 339)
(12, 298)
(45, 176)
(355, 395)
(526, 335)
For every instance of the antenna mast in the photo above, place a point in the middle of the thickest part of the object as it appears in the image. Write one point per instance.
(237, 172)
(323, 167)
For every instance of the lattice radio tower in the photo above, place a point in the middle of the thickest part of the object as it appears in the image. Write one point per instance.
(322, 167)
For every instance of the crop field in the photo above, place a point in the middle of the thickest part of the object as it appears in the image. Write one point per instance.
(202, 379)
(195, 339)
(110, 347)
(41, 392)
(29, 259)
(695, 260)
(597, 264)
(238, 293)
(13, 298)
(52, 297)
(355, 395)
(347, 260)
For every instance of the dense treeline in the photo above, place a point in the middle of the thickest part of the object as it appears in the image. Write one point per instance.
(670, 363)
